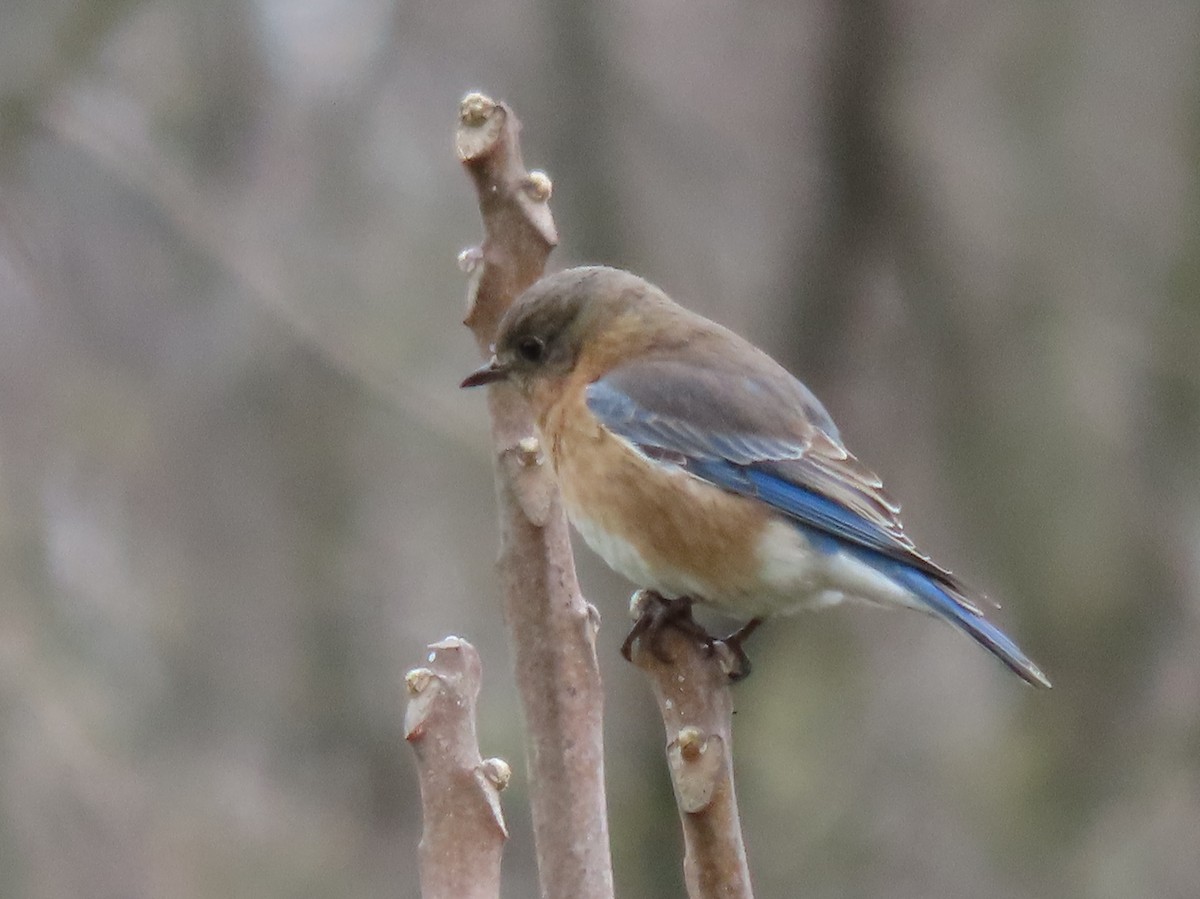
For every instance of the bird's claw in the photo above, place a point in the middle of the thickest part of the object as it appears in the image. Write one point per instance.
(656, 613)
(737, 666)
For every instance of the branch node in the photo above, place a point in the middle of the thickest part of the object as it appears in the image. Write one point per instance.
(423, 688)
(470, 259)
(691, 743)
(497, 772)
(417, 680)
(529, 451)
(538, 186)
(593, 616)
(464, 830)
(697, 765)
(534, 488)
(492, 776)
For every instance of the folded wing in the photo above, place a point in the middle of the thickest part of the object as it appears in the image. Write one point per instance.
(757, 431)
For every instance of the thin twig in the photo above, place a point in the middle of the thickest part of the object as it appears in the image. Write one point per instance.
(693, 694)
(464, 830)
(551, 629)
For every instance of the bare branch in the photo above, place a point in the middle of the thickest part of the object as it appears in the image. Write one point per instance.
(551, 628)
(116, 134)
(693, 696)
(464, 827)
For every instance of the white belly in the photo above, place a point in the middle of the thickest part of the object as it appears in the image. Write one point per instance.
(797, 575)
(621, 556)
(618, 553)
(792, 575)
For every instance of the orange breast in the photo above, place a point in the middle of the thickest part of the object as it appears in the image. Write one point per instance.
(659, 526)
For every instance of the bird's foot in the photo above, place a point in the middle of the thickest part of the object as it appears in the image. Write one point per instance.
(655, 613)
(735, 661)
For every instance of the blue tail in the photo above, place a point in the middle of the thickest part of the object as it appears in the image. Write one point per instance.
(832, 527)
(943, 604)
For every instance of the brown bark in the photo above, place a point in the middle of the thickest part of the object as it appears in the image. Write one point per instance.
(693, 694)
(464, 830)
(551, 628)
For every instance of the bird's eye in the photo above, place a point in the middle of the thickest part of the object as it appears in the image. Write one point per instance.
(531, 349)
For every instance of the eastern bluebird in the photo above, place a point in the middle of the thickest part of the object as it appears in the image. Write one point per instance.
(698, 467)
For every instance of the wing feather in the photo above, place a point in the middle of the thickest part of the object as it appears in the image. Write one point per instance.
(753, 429)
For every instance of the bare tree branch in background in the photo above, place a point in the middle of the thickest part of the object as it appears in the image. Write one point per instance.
(693, 694)
(464, 830)
(551, 628)
(824, 287)
(116, 134)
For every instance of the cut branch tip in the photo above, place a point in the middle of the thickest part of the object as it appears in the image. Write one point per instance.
(480, 126)
(449, 642)
(474, 108)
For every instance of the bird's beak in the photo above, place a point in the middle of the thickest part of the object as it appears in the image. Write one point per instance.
(489, 374)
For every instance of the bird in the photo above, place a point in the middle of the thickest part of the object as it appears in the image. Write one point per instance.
(699, 468)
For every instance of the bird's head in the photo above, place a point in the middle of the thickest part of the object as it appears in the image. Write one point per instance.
(544, 333)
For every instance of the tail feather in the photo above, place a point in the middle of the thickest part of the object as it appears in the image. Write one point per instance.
(941, 602)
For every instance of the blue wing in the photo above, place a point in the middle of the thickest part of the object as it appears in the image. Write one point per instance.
(755, 430)
(761, 434)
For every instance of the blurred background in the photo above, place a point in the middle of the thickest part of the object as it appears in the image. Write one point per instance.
(240, 490)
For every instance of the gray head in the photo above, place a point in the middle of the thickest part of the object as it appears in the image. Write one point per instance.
(543, 332)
